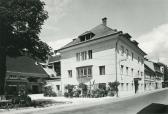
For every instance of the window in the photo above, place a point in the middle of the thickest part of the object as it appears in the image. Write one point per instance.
(78, 56)
(70, 73)
(86, 37)
(122, 86)
(13, 77)
(127, 86)
(132, 72)
(90, 54)
(84, 55)
(102, 70)
(84, 71)
(127, 70)
(122, 69)
(58, 87)
(132, 56)
(138, 72)
(122, 50)
(127, 53)
(141, 73)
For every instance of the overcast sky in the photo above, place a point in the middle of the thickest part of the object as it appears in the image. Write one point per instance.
(145, 20)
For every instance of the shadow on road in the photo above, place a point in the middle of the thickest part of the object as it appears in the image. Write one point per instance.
(154, 108)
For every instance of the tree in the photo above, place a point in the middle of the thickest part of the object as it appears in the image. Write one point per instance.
(20, 25)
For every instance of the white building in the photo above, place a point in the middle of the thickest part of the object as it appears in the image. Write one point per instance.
(102, 55)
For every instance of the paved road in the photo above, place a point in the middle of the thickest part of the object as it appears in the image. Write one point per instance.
(130, 105)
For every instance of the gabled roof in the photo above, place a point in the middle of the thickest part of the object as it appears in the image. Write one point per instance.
(150, 65)
(24, 65)
(99, 31)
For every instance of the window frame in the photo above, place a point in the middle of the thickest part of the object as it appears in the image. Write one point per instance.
(70, 73)
(102, 70)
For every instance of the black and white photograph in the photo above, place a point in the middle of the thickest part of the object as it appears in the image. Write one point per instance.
(83, 57)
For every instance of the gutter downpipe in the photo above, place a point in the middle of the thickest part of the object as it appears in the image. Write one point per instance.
(116, 49)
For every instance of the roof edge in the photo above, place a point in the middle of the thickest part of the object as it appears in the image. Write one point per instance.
(89, 40)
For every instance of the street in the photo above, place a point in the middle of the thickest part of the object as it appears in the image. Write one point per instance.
(129, 105)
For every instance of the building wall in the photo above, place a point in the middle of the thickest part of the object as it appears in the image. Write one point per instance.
(104, 55)
(55, 85)
(17, 81)
(127, 77)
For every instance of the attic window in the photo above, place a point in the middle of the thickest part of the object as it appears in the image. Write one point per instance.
(86, 37)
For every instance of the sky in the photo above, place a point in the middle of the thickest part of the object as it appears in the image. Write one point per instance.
(145, 20)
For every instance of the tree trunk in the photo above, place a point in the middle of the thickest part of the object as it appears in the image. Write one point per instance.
(2, 70)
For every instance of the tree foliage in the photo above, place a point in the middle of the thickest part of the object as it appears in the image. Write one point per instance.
(22, 20)
(20, 25)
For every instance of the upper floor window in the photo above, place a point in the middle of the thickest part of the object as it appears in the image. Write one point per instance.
(127, 70)
(138, 72)
(90, 54)
(132, 71)
(78, 56)
(86, 36)
(121, 69)
(132, 56)
(70, 73)
(84, 71)
(102, 70)
(122, 50)
(84, 55)
(141, 73)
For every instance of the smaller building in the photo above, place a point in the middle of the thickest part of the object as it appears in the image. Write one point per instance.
(153, 75)
(24, 73)
(53, 69)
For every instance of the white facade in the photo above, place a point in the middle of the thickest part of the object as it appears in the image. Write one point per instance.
(104, 54)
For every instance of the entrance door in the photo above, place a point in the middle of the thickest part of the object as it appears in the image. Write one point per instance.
(136, 85)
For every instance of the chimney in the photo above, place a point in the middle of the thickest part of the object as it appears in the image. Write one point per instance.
(104, 21)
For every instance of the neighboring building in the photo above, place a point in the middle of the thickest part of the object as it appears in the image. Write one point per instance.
(53, 69)
(159, 71)
(24, 73)
(153, 75)
(102, 55)
(165, 77)
(150, 77)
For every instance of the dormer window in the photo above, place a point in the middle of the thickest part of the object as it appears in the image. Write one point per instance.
(86, 36)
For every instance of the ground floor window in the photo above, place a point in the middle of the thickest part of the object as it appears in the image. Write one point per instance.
(58, 87)
(84, 71)
(122, 86)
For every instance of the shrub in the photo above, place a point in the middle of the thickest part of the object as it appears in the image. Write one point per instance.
(22, 99)
(113, 88)
(84, 89)
(49, 92)
(70, 90)
(77, 93)
(66, 94)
